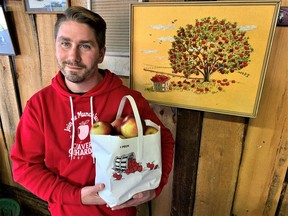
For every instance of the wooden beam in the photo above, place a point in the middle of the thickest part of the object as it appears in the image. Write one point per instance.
(188, 130)
(9, 114)
(219, 160)
(264, 162)
(161, 206)
(282, 208)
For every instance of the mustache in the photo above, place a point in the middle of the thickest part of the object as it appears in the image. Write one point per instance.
(77, 64)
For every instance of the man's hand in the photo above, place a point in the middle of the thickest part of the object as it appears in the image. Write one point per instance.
(89, 195)
(137, 199)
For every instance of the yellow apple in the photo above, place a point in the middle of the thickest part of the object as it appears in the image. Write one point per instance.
(129, 126)
(101, 128)
(150, 130)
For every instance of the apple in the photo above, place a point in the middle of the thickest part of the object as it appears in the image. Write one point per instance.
(150, 130)
(101, 128)
(116, 124)
(129, 128)
(121, 136)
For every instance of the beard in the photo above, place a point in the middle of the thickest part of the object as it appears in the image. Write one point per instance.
(74, 76)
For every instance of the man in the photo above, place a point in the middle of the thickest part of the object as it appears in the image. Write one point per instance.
(52, 152)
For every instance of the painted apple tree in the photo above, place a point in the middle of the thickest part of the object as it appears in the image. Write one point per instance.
(209, 46)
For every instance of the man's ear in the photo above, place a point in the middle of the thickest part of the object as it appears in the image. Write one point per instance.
(102, 54)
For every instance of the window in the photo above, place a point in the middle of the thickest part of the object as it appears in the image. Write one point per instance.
(116, 15)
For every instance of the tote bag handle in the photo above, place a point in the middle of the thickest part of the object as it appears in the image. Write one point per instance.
(138, 121)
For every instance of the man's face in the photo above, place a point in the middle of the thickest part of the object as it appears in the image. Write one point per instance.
(77, 51)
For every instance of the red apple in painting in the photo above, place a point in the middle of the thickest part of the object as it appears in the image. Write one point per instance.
(116, 124)
(129, 126)
(101, 128)
(150, 130)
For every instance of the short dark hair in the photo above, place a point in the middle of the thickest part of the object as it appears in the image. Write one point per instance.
(82, 15)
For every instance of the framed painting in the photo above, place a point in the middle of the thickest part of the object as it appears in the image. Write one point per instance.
(6, 42)
(208, 56)
(46, 6)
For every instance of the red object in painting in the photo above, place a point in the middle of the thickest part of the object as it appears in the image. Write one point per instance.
(160, 78)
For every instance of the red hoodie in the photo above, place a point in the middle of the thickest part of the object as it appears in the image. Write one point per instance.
(41, 155)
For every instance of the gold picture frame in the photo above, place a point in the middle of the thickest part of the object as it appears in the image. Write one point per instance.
(46, 6)
(208, 56)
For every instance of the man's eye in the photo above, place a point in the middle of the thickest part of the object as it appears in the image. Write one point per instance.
(65, 44)
(85, 46)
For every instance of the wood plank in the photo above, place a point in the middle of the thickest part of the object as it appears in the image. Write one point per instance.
(219, 159)
(28, 62)
(161, 206)
(9, 113)
(5, 164)
(186, 161)
(143, 210)
(283, 208)
(45, 31)
(264, 162)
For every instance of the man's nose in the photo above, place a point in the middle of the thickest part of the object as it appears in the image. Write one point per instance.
(74, 54)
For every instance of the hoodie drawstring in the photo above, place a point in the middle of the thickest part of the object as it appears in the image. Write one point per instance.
(73, 122)
(91, 110)
(92, 114)
(73, 127)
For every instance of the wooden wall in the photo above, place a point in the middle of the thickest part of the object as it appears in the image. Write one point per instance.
(224, 165)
